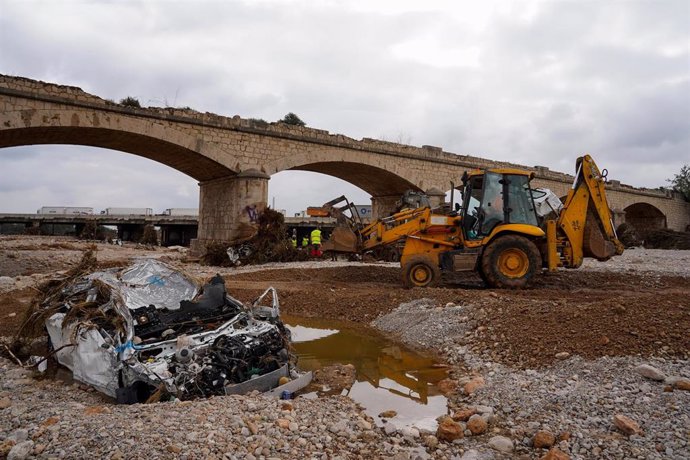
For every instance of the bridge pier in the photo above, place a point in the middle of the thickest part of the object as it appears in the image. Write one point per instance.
(436, 197)
(177, 235)
(618, 216)
(228, 208)
(383, 206)
(130, 232)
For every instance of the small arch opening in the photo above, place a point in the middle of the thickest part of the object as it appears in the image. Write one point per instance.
(644, 217)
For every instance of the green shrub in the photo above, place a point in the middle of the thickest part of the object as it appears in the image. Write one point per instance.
(130, 101)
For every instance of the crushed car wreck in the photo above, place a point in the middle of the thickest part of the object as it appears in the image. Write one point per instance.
(148, 333)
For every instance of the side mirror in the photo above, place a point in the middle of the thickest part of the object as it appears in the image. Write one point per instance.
(465, 177)
(457, 207)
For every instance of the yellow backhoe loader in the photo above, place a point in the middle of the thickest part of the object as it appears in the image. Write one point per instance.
(496, 232)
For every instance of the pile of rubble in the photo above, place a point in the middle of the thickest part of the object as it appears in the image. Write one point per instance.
(270, 243)
(628, 236)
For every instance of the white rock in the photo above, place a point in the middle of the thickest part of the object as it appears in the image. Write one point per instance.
(650, 372)
(21, 451)
(501, 444)
(6, 281)
(470, 455)
(419, 453)
(363, 424)
(484, 409)
(20, 435)
(389, 428)
(339, 428)
(410, 432)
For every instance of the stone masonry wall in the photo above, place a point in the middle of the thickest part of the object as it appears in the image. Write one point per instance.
(209, 146)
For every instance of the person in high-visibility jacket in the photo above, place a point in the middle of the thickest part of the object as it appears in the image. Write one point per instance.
(305, 242)
(293, 239)
(316, 242)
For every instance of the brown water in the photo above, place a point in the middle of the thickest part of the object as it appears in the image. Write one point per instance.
(389, 376)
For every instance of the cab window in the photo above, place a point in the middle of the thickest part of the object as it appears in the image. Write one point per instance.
(492, 212)
(520, 203)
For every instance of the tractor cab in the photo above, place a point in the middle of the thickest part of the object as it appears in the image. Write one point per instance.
(495, 197)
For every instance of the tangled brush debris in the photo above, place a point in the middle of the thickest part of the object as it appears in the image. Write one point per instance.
(667, 239)
(271, 243)
(52, 292)
(628, 236)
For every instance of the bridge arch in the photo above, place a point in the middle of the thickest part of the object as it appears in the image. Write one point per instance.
(385, 178)
(373, 180)
(645, 217)
(157, 142)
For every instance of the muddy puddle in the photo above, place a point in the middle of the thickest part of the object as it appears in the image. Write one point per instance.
(388, 376)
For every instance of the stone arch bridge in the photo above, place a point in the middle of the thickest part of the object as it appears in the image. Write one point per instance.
(233, 158)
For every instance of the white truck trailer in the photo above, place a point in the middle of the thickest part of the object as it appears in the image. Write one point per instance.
(127, 212)
(65, 210)
(181, 212)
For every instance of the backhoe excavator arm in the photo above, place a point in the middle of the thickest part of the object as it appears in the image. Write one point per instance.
(391, 229)
(584, 227)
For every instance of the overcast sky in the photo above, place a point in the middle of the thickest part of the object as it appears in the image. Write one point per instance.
(534, 82)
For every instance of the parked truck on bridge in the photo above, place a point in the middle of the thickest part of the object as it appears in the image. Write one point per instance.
(127, 212)
(181, 212)
(65, 210)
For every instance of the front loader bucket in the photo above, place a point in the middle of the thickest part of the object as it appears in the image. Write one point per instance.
(342, 240)
(595, 243)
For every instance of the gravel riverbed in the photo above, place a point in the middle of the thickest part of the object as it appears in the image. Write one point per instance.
(591, 363)
(573, 399)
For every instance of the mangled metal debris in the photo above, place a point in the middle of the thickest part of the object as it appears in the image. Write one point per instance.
(148, 333)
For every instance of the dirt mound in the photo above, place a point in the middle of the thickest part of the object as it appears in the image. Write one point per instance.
(357, 303)
(611, 315)
(667, 239)
(588, 313)
(13, 306)
(363, 274)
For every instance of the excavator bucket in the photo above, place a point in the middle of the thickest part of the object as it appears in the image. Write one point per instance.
(595, 243)
(342, 239)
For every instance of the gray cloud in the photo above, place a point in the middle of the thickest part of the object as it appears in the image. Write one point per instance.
(531, 82)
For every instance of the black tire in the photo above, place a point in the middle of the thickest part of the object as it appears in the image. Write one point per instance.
(419, 271)
(393, 255)
(481, 274)
(510, 261)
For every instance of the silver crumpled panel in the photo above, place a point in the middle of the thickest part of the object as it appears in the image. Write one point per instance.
(90, 359)
(150, 282)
